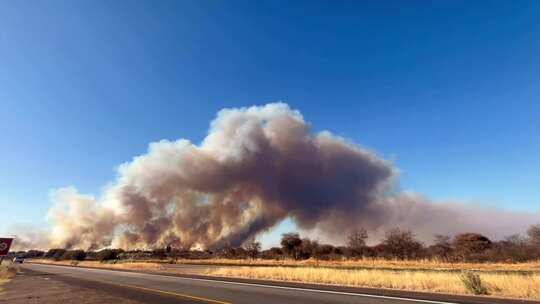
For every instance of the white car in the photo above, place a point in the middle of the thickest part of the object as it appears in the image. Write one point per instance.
(19, 260)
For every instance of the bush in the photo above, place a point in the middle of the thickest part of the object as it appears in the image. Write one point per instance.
(31, 254)
(108, 254)
(274, 253)
(471, 246)
(76, 255)
(473, 283)
(55, 254)
(159, 253)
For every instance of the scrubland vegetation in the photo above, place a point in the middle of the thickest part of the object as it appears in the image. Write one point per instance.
(468, 263)
(398, 245)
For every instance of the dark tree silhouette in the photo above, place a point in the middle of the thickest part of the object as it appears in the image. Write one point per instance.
(291, 244)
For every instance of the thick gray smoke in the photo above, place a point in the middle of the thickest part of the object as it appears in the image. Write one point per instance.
(256, 167)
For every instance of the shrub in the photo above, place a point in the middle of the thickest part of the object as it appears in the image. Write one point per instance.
(30, 254)
(108, 254)
(473, 283)
(55, 254)
(159, 253)
(274, 253)
(76, 255)
(470, 246)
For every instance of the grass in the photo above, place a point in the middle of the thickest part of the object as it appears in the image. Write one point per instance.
(367, 263)
(128, 265)
(496, 284)
(6, 274)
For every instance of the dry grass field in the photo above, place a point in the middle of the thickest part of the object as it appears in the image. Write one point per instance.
(374, 264)
(497, 284)
(380, 264)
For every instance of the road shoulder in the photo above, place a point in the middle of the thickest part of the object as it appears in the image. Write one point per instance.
(31, 287)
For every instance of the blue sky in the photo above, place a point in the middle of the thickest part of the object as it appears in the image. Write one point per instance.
(447, 89)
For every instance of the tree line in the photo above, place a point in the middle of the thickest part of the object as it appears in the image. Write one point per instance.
(397, 244)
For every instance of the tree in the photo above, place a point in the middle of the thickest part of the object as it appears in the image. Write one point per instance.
(308, 248)
(534, 235)
(469, 246)
(108, 254)
(513, 248)
(253, 249)
(30, 254)
(273, 253)
(401, 244)
(160, 253)
(357, 240)
(227, 252)
(55, 254)
(76, 255)
(323, 252)
(291, 243)
(442, 247)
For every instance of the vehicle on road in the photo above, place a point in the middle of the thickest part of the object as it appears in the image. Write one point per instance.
(19, 260)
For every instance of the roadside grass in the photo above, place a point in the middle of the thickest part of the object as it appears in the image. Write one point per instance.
(121, 264)
(367, 263)
(6, 274)
(496, 284)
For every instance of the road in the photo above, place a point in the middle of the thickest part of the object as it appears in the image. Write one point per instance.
(154, 288)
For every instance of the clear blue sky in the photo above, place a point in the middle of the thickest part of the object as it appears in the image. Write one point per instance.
(448, 89)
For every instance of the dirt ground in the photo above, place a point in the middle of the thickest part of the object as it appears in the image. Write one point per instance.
(35, 288)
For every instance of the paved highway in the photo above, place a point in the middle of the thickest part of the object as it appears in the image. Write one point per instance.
(154, 288)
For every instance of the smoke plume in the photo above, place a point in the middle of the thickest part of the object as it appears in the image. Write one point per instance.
(256, 167)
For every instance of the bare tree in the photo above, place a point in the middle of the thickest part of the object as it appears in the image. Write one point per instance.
(534, 235)
(356, 241)
(253, 249)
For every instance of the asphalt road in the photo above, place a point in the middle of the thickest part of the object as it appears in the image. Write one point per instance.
(154, 288)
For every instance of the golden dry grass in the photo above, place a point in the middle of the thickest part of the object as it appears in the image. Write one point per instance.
(498, 284)
(374, 264)
(532, 266)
